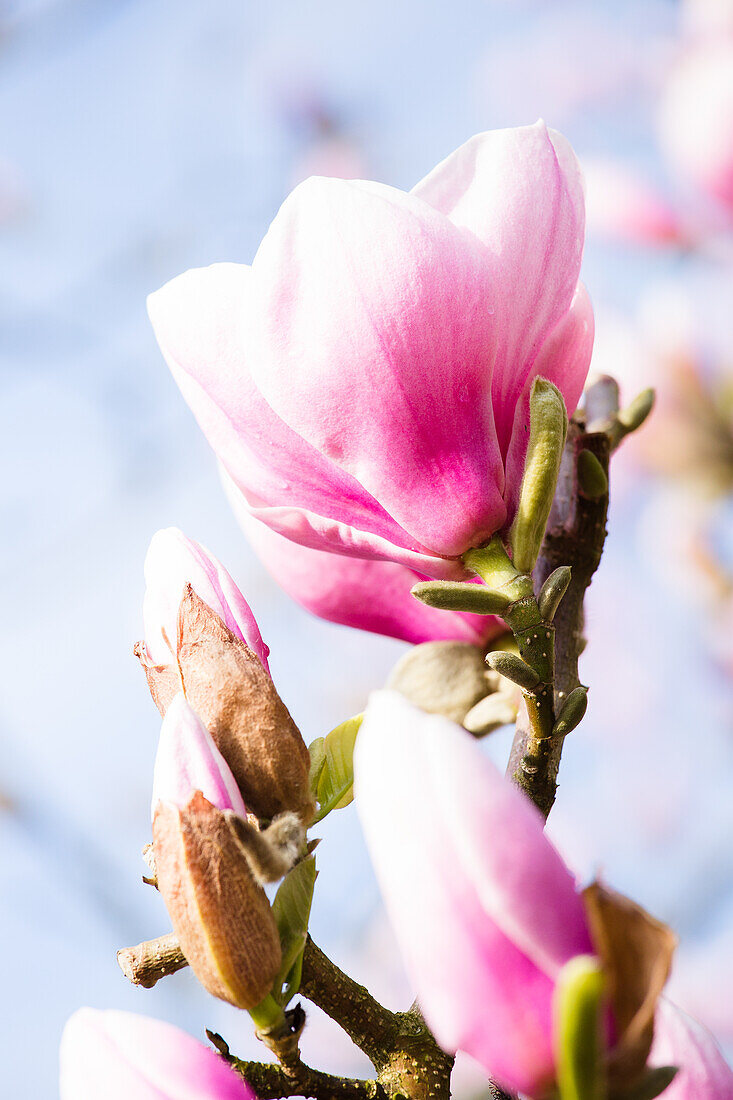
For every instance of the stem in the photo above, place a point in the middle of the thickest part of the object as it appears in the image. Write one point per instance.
(148, 962)
(369, 1025)
(575, 536)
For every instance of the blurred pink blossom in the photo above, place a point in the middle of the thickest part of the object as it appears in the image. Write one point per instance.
(172, 562)
(621, 205)
(696, 117)
(365, 383)
(119, 1055)
(188, 760)
(364, 593)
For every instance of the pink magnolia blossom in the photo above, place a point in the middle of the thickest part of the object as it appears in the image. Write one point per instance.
(119, 1055)
(361, 592)
(696, 118)
(172, 562)
(188, 761)
(485, 911)
(621, 205)
(365, 382)
(681, 1041)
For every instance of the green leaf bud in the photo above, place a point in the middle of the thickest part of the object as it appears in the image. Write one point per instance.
(571, 712)
(457, 596)
(592, 478)
(514, 669)
(552, 592)
(548, 425)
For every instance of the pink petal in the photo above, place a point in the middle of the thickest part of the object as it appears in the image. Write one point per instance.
(119, 1055)
(367, 594)
(372, 338)
(188, 761)
(172, 562)
(484, 909)
(520, 193)
(681, 1041)
(201, 321)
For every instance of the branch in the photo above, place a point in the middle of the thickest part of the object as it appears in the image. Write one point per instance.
(148, 962)
(575, 536)
(369, 1025)
(270, 1082)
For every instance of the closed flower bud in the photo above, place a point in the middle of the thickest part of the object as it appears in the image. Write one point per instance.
(220, 914)
(173, 562)
(188, 761)
(228, 687)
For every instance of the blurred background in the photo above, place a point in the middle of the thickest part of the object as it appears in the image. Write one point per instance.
(142, 137)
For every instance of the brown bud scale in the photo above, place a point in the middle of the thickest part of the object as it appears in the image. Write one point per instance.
(220, 914)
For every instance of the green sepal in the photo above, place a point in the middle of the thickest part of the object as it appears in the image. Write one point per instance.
(458, 596)
(552, 592)
(513, 668)
(571, 712)
(291, 910)
(578, 1030)
(548, 426)
(592, 478)
(332, 767)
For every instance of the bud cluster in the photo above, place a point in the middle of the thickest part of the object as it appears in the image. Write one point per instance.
(231, 795)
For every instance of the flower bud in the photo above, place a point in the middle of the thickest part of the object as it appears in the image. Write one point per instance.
(220, 914)
(173, 562)
(188, 761)
(228, 687)
(442, 677)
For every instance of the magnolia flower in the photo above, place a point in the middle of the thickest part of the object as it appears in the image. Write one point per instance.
(119, 1055)
(681, 1041)
(188, 761)
(174, 561)
(486, 913)
(696, 118)
(365, 383)
(360, 592)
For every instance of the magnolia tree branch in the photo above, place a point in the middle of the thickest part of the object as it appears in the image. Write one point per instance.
(575, 536)
(148, 962)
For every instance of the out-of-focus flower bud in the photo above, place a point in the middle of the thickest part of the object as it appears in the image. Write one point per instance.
(220, 914)
(484, 909)
(188, 761)
(119, 1055)
(228, 687)
(174, 561)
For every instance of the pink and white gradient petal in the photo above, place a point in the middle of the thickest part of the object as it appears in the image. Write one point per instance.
(188, 760)
(119, 1055)
(172, 562)
(482, 906)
